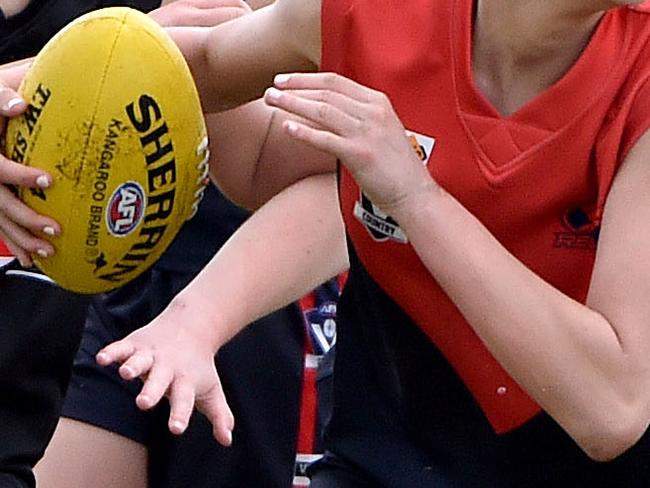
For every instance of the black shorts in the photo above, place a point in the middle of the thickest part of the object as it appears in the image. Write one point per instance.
(261, 371)
(402, 417)
(333, 472)
(40, 330)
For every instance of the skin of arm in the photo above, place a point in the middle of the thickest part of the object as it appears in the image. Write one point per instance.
(246, 162)
(234, 62)
(251, 159)
(588, 365)
(292, 244)
(199, 13)
(250, 166)
(308, 249)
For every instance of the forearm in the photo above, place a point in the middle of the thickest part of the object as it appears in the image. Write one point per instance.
(565, 355)
(287, 248)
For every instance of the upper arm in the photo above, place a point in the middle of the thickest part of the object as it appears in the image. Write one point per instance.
(237, 60)
(233, 63)
(252, 158)
(620, 285)
(198, 13)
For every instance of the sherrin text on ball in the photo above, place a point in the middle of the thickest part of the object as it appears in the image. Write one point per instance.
(115, 118)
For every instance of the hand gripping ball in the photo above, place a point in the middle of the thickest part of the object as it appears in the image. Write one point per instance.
(114, 116)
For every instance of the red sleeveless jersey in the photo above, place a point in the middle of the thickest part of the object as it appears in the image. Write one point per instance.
(4, 250)
(537, 179)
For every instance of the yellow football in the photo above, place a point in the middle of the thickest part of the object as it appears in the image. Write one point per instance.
(115, 118)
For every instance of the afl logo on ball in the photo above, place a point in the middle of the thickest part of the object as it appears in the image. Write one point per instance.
(125, 208)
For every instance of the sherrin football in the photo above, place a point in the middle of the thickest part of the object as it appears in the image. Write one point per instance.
(115, 118)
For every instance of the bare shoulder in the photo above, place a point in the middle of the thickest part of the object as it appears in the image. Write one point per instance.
(620, 285)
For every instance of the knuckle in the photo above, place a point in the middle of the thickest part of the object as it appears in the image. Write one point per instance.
(324, 111)
(5, 94)
(4, 205)
(27, 243)
(324, 96)
(377, 111)
(378, 97)
(328, 138)
(357, 125)
(154, 387)
(330, 79)
(383, 99)
(141, 360)
(183, 380)
(380, 113)
(379, 100)
(363, 152)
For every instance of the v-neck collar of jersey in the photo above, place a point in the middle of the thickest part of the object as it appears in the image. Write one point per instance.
(556, 106)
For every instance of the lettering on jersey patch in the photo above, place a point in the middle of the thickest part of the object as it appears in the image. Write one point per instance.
(322, 327)
(423, 145)
(300, 475)
(580, 233)
(383, 227)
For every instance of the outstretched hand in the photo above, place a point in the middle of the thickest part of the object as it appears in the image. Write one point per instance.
(174, 361)
(169, 354)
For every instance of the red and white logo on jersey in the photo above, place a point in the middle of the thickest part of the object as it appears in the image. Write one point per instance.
(380, 226)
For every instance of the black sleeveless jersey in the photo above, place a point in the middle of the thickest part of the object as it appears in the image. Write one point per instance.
(23, 35)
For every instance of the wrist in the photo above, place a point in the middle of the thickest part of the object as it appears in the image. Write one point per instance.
(199, 318)
(413, 205)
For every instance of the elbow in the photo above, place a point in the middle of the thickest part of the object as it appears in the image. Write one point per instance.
(610, 437)
(234, 186)
(242, 197)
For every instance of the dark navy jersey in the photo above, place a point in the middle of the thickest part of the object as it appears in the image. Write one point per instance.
(24, 34)
(402, 415)
(134, 304)
(206, 232)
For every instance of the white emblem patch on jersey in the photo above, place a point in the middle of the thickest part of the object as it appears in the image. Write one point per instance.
(383, 227)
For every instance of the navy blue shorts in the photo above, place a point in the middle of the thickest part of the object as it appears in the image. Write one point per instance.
(333, 472)
(261, 371)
